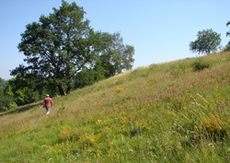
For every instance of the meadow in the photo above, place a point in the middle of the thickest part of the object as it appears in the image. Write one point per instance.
(171, 112)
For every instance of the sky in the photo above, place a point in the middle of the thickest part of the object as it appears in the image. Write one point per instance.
(159, 30)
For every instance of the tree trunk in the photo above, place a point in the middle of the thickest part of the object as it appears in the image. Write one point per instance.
(61, 90)
(68, 88)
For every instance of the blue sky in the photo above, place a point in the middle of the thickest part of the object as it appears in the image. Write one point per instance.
(160, 30)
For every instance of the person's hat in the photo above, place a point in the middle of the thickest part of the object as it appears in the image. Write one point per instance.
(47, 95)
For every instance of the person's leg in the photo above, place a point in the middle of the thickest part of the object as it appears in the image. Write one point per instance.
(48, 111)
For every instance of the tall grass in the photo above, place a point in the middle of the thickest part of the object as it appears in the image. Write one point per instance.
(162, 113)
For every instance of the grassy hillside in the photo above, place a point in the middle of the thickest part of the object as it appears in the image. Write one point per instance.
(164, 112)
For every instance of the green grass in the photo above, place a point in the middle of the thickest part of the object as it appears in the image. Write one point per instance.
(162, 113)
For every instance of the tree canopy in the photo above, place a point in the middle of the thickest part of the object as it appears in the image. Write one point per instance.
(207, 41)
(227, 47)
(227, 24)
(2, 86)
(59, 46)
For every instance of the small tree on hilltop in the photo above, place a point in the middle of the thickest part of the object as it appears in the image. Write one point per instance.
(207, 42)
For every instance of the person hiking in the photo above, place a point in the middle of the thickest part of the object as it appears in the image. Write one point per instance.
(48, 102)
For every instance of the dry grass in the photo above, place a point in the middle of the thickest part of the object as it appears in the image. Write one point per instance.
(159, 113)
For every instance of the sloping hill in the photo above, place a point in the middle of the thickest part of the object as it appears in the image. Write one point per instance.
(164, 112)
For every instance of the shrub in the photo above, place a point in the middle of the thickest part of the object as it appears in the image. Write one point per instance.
(199, 65)
(68, 133)
(7, 103)
(119, 89)
(227, 47)
(84, 78)
(214, 128)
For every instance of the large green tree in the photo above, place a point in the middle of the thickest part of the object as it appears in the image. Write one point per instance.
(56, 47)
(111, 57)
(112, 54)
(207, 41)
(62, 44)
